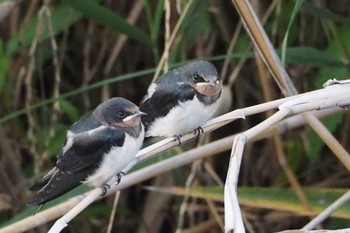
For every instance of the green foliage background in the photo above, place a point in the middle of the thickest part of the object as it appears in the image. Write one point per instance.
(54, 68)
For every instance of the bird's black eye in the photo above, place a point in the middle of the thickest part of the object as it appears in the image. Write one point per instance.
(197, 78)
(121, 114)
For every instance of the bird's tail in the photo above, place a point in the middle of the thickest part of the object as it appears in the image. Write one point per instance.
(54, 184)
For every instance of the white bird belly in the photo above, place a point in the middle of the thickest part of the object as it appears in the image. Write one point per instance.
(115, 161)
(181, 119)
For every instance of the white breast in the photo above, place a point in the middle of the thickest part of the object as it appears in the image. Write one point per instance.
(187, 116)
(116, 160)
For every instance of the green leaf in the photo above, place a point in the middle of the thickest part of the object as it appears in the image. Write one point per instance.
(313, 57)
(335, 50)
(94, 211)
(77, 91)
(158, 19)
(323, 13)
(4, 64)
(108, 18)
(297, 6)
(154, 21)
(285, 199)
(69, 109)
(305, 56)
(281, 199)
(195, 24)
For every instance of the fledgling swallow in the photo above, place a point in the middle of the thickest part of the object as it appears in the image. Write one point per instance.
(181, 100)
(97, 147)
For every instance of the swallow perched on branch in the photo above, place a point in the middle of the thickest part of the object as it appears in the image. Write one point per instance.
(97, 147)
(181, 100)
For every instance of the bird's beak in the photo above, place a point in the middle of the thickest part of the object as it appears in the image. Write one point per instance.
(209, 88)
(138, 114)
(211, 83)
(141, 113)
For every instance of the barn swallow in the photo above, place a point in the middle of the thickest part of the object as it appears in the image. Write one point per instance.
(97, 148)
(181, 100)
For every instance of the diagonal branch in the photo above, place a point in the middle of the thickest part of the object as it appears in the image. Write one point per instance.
(328, 211)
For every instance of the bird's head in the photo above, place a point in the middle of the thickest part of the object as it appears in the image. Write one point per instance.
(203, 77)
(119, 112)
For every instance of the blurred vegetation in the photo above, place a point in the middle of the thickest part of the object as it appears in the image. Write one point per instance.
(59, 59)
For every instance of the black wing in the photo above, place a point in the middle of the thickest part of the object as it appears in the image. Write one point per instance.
(169, 91)
(75, 164)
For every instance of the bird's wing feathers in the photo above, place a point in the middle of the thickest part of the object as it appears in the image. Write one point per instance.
(165, 97)
(76, 163)
(87, 149)
(59, 182)
(44, 180)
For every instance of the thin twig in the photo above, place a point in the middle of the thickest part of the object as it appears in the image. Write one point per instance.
(172, 37)
(29, 91)
(328, 139)
(230, 50)
(183, 207)
(328, 211)
(208, 167)
(167, 40)
(134, 14)
(214, 211)
(114, 210)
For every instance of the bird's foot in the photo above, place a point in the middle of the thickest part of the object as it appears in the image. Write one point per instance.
(178, 139)
(115, 180)
(105, 187)
(198, 132)
(119, 177)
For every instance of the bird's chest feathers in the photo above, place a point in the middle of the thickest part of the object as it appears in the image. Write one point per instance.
(183, 118)
(115, 161)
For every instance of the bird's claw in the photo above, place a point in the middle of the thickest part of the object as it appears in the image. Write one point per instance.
(198, 132)
(105, 188)
(178, 139)
(119, 177)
